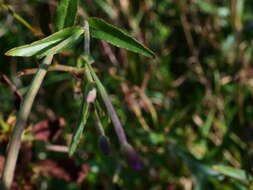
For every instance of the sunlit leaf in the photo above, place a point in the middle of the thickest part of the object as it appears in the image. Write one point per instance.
(44, 46)
(102, 30)
(62, 45)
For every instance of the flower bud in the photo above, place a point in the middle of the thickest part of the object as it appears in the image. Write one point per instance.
(91, 95)
(104, 144)
(131, 156)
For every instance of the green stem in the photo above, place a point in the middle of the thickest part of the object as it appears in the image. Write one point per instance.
(110, 109)
(15, 142)
(19, 18)
(99, 126)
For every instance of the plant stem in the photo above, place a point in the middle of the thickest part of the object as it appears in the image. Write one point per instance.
(110, 109)
(58, 67)
(86, 38)
(99, 126)
(15, 142)
(20, 19)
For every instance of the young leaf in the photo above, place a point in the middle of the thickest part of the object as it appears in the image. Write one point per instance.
(102, 30)
(66, 14)
(41, 46)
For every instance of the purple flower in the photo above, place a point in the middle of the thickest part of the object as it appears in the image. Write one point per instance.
(131, 156)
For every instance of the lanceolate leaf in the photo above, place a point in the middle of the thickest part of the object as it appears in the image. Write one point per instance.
(62, 45)
(102, 30)
(66, 14)
(83, 119)
(71, 13)
(44, 46)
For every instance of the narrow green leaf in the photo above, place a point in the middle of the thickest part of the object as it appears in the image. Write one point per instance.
(62, 45)
(102, 30)
(66, 13)
(45, 45)
(71, 14)
(79, 131)
(61, 13)
(196, 166)
(232, 172)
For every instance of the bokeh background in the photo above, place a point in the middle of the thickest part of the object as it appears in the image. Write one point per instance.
(188, 112)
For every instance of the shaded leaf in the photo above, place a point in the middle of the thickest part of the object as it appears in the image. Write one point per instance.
(71, 13)
(83, 119)
(200, 170)
(102, 30)
(232, 172)
(79, 132)
(196, 166)
(66, 14)
(43, 47)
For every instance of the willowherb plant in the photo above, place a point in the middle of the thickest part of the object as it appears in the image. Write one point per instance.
(65, 37)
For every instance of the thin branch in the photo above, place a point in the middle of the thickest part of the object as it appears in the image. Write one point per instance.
(12, 86)
(86, 38)
(20, 19)
(15, 142)
(72, 70)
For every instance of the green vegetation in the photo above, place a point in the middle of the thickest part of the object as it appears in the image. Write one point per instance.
(126, 94)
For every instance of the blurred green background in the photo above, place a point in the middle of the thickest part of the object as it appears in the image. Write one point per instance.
(188, 112)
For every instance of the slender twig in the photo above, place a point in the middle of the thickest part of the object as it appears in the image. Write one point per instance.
(86, 38)
(99, 126)
(20, 19)
(70, 69)
(12, 86)
(15, 142)
(57, 148)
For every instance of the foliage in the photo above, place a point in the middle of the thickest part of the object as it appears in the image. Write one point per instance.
(187, 112)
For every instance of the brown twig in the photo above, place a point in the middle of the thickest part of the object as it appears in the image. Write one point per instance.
(72, 70)
(14, 89)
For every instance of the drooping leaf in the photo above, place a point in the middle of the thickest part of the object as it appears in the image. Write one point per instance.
(104, 31)
(66, 14)
(83, 119)
(43, 47)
